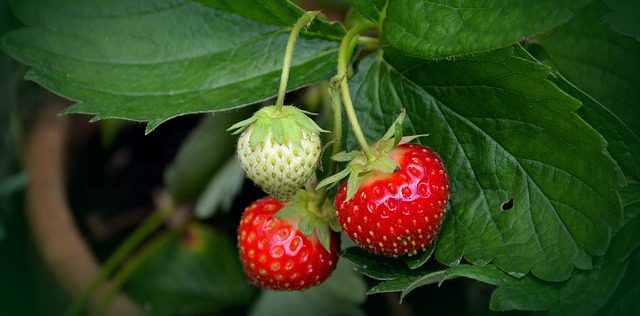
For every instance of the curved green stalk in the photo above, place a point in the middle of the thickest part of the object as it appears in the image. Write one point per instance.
(344, 55)
(368, 42)
(303, 21)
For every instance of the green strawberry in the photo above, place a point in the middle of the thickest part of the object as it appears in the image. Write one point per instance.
(279, 149)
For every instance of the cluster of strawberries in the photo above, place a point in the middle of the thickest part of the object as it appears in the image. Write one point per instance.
(392, 203)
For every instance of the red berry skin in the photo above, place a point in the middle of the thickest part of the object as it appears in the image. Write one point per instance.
(276, 255)
(399, 213)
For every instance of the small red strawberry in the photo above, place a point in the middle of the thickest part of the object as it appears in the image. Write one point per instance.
(400, 212)
(275, 253)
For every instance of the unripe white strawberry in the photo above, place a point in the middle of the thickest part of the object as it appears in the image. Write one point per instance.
(279, 150)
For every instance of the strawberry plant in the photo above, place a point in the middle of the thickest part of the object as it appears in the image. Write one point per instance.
(401, 143)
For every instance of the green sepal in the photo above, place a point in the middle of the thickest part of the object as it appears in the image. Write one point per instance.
(397, 136)
(293, 134)
(328, 181)
(306, 122)
(303, 209)
(259, 133)
(345, 156)
(408, 139)
(308, 112)
(286, 123)
(330, 210)
(384, 164)
(290, 210)
(335, 226)
(395, 126)
(353, 184)
(324, 236)
(306, 225)
(239, 127)
(277, 130)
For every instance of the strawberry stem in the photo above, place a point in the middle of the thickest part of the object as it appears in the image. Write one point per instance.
(303, 21)
(344, 55)
(337, 126)
(369, 43)
(336, 107)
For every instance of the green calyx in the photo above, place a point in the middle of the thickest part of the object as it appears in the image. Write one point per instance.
(286, 124)
(379, 162)
(313, 219)
(359, 166)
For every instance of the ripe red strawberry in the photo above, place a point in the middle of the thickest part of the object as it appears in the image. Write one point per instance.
(275, 254)
(397, 213)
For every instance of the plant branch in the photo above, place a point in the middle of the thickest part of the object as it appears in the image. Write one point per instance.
(303, 21)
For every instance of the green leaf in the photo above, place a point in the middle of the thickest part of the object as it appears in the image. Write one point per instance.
(373, 10)
(624, 18)
(339, 295)
(275, 12)
(150, 61)
(207, 148)
(601, 62)
(198, 273)
(623, 145)
(378, 267)
(421, 258)
(222, 190)
(586, 291)
(583, 294)
(626, 299)
(394, 285)
(446, 28)
(504, 132)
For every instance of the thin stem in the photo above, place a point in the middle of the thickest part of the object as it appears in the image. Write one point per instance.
(344, 55)
(303, 21)
(337, 126)
(336, 107)
(124, 250)
(368, 42)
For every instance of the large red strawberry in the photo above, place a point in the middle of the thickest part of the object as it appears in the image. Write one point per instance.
(400, 212)
(275, 253)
